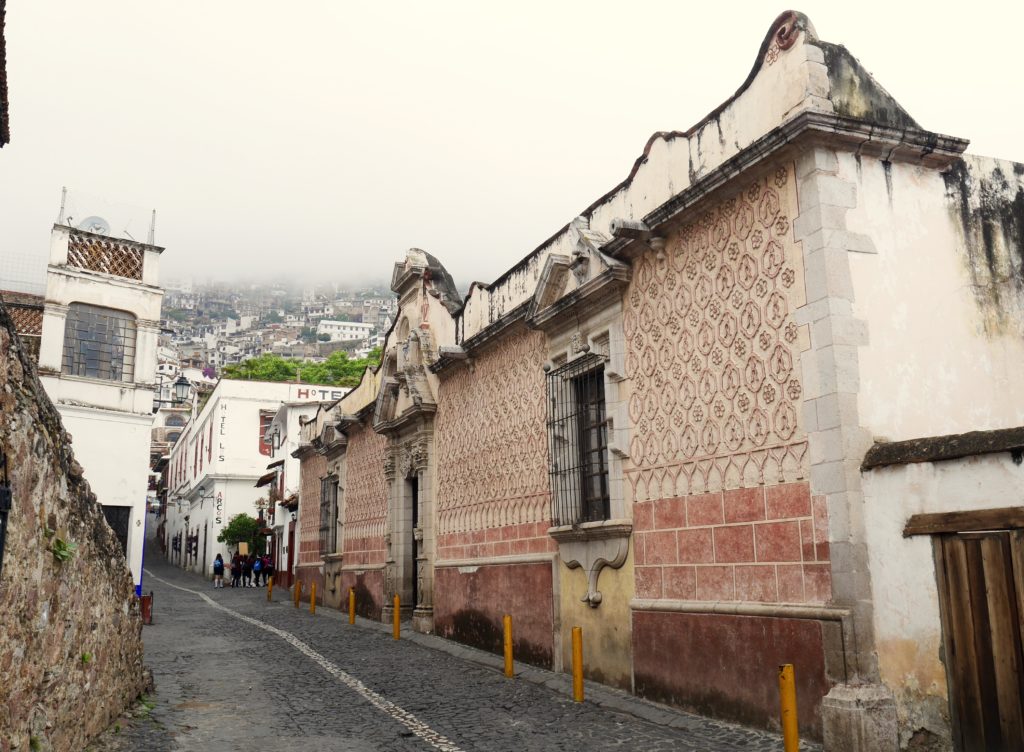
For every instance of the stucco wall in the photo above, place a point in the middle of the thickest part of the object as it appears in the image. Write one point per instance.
(70, 633)
(113, 449)
(944, 347)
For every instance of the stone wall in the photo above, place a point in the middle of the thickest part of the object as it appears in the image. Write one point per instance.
(71, 632)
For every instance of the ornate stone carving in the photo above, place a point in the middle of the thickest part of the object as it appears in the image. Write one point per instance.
(592, 547)
(712, 351)
(366, 496)
(490, 440)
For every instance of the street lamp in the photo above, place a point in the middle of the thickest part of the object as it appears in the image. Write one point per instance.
(182, 386)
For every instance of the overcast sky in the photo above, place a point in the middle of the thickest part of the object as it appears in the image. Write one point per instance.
(319, 139)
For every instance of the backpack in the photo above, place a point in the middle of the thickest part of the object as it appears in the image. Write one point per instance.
(257, 565)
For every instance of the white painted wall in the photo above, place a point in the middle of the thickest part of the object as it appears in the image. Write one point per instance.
(929, 367)
(110, 421)
(113, 450)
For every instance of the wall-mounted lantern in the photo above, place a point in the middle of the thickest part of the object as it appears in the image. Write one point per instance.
(5, 505)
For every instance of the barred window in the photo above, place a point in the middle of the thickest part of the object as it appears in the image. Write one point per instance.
(328, 514)
(578, 442)
(99, 343)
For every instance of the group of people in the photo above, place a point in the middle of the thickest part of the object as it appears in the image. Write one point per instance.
(246, 571)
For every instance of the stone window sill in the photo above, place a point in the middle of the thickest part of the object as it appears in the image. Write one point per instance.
(587, 531)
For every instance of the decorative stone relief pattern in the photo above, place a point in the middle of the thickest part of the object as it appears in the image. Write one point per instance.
(313, 468)
(107, 255)
(365, 495)
(490, 440)
(712, 351)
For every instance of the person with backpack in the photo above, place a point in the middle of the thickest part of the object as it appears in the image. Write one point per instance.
(247, 571)
(257, 570)
(218, 571)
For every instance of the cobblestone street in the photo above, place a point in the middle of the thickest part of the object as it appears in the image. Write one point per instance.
(233, 672)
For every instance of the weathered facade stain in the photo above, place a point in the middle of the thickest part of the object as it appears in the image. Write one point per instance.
(986, 199)
(471, 602)
(913, 669)
(703, 647)
(856, 94)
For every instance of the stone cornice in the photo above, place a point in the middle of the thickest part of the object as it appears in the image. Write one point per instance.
(895, 145)
(594, 293)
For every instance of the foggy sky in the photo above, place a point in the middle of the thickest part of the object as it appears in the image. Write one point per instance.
(317, 140)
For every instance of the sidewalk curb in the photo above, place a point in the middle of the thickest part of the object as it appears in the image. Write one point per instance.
(599, 695)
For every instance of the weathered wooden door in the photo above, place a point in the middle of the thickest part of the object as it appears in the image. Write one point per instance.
(981, 596)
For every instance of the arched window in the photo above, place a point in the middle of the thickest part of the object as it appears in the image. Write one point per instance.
(99, 343)
(173, 436)
(175, 420)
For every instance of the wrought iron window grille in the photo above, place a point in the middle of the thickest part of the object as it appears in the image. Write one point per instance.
(328, 514)
(99, 343)
(578, 442)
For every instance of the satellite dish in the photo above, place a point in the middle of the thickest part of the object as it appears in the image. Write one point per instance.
(98, 225)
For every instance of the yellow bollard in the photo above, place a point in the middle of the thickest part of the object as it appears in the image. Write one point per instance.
(787, 702)
(351, 605)
(312, 599)
(577, 664)
(396, 627)
(509, 668)
(270, 589)
(298, 592)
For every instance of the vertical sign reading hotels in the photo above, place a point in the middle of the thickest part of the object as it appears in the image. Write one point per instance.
(223, 430)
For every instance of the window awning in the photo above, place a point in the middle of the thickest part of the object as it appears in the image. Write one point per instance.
(276, 463)
(267, 479)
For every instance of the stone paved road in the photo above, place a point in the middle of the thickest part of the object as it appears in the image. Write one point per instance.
(233, 672)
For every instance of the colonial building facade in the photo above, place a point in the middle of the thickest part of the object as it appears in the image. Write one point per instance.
(684, 423)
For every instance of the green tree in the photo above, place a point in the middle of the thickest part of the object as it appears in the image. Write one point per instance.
(243, 529)
(274, 317)
(337, 370)
(324, 337)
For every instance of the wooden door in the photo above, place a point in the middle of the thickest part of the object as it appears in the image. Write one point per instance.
(981, 584)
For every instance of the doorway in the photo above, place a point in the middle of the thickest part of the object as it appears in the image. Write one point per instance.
(413, 488)
(981, 600)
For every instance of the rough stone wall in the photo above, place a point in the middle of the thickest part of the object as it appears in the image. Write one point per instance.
(70, 633)
(493, 497)
(718, 457)
(365, 498)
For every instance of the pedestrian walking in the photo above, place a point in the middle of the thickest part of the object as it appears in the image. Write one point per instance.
(247, 571)
(218, 571)
(236, 570)
(268, 568)
(257, 570)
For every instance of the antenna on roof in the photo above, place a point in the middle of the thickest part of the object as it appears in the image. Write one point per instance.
(152, 229)
(63, 198)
